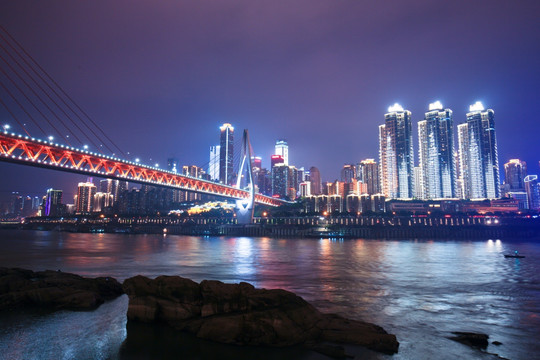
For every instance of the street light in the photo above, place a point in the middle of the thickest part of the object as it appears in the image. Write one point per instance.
(137, 160)
(6, 127)
(85, 147)
(51, 138)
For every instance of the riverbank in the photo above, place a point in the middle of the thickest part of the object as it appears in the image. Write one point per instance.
(458, 228)
(237, 314)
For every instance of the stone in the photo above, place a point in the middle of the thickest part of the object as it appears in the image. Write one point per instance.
(244, 315)
(477, 340)
(54, 290)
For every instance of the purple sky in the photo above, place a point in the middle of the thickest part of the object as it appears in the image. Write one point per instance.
(160, 77)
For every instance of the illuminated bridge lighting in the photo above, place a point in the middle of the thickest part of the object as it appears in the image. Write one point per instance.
(35, 152)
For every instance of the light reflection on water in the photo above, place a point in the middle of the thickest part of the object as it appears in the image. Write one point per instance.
(419, 290)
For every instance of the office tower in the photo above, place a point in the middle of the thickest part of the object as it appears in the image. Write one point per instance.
(256, 163)
(193, 171)
(315, 179)
(172, 165)
(515, 172)
(112, 187)
(369, 175)
(436, 153)
(396, 154)
(263, 180)
(102, 200)
(348, 173)
(213, 164)
(27, 207)
(478, 154)
(226, 154)
(53, 203)
(532, 187)
(84, 198)
(282, 148)
(284, 181)
(305, 189)
(275, 160)
(280, 180)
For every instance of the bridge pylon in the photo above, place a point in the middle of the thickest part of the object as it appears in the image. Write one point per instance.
(244, 207)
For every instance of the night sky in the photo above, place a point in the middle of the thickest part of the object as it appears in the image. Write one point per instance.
(161, 77)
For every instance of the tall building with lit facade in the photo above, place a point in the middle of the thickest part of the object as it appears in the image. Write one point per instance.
(348, 173)
(226, 154)
(53, 203)
(515, 172)
(213, 164)
(315, 180)
(479, 160)
(368, 173)
(532, 187)
(436, 153)
(85, 197)
(282, 148)
(396, 154)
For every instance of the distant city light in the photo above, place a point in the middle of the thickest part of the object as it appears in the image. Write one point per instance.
(477, 106)
(395, 107)
(435, 106)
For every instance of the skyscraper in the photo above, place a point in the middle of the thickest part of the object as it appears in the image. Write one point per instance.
(532, 187)
(84, 198)
(213, 164)
(315, 179)
(396, 154)
(348, 173)
(282, 148)
(478, 154)
(515, 172)
(369, 175)
(53, 203)
(226, 154)
(436, 153)
(275, 160)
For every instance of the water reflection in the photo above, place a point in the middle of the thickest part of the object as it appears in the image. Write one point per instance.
(420, 290)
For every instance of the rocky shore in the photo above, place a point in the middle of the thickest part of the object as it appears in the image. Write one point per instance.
(54, 290)
(237, 314)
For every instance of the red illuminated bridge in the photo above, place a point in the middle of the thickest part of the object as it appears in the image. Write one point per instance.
(25, 150)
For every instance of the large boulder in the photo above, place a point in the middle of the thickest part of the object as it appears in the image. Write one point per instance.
(54, 290)
(243, 315)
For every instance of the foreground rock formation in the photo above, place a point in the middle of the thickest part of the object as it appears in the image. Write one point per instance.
(243, 315)
(54, 290)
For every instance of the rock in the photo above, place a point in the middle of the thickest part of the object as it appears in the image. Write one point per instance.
(243, 315)
(54, 290)
(497, 343)
(333, 351)
(471, 339)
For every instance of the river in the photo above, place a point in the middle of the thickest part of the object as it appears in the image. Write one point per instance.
(419, 290)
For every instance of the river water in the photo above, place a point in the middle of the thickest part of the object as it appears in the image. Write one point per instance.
(419, 290)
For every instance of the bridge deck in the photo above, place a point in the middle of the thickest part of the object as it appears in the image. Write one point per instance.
(35, 152)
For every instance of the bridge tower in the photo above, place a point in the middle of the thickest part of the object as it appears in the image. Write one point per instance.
(244, 207)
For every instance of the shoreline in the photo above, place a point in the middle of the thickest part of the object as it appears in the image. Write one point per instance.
(506, 231)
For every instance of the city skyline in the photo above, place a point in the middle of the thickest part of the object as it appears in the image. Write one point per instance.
(286, 84)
